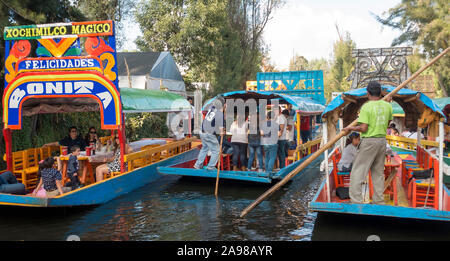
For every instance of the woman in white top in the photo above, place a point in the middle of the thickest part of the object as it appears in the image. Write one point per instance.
(239, 141)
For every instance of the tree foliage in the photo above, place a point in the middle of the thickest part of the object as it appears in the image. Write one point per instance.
(213, 40)
(425, 23)
(342, 64)
(116, 10)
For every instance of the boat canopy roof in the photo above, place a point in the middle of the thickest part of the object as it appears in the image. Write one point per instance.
(441, 102)
(306, 106)
(412, 102)
(133, 101)
(140, 100)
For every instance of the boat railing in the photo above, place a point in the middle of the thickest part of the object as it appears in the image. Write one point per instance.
(410, 144)
(309, 147)
(25, 163)
(148, 156)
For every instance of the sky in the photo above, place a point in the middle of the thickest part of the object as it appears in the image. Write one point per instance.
(307, 27)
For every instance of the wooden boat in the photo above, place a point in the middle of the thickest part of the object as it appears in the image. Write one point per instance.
(61, 80)
(303, 106)
(186, 168)
(405, 197)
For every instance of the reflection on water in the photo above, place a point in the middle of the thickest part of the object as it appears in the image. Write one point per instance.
(174, 208)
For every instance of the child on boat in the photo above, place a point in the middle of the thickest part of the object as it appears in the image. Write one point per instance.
(349, 153)
(73, 166)
(50, 179)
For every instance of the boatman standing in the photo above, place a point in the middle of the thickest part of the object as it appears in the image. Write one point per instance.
(211, 125)
(373, 121)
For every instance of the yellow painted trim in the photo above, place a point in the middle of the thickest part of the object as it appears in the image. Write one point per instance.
(56, 77)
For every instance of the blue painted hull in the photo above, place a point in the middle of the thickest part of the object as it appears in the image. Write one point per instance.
(250, 176)
(378, 210)
(99, 193)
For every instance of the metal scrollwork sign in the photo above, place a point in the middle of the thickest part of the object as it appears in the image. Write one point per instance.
(386, 65)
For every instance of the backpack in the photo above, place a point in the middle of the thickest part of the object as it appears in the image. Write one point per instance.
(422, 174)
(343, 192)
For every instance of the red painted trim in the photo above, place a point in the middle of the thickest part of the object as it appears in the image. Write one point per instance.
(8, 148)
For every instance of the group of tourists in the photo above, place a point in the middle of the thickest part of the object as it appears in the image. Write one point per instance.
(270, 144)
(410, 132)
(49, 175)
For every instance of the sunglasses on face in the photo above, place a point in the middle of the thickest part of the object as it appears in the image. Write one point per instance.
(92, 132)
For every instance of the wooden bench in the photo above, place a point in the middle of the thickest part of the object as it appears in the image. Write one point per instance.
(25, 166)
(145, 157)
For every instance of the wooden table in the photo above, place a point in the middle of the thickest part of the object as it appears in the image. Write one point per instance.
(86, 162)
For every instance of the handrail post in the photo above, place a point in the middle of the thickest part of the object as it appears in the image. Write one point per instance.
(342, 141)
(327, 171)
(441, 162)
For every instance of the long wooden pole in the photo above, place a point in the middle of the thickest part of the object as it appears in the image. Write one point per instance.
(218, 165)
(333, 141)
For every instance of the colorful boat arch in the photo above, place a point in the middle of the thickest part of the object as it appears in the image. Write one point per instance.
(88, 84)
(61, 67)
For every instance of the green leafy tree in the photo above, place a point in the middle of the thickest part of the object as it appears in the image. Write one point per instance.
(425, 23)
(216, 41)
(116, 10)
(341, 66)
(298, 63)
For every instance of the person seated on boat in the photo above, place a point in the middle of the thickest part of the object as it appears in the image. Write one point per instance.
(269, 141)
(390, 128)
(212, 124)
(239, 141)
(282, 137)
(114, 163)
(91, 137)
(395, 132)
(69, 141)
(411, 133)
(10, 185)
(254, 142)
(349, 153)
(51, 179)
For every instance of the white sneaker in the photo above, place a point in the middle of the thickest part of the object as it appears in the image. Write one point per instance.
(197, 167)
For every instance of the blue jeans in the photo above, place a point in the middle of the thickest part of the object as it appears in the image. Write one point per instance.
(282, 145)
(209, 143)
(251, 151)
(271, 156)
(239, 153)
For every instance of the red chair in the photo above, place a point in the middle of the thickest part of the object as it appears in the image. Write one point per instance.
(341, 179)
(424, 192)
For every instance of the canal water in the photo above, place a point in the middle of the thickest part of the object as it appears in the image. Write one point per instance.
(174, 208)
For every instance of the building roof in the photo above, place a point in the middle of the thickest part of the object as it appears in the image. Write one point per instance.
(139, 63)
